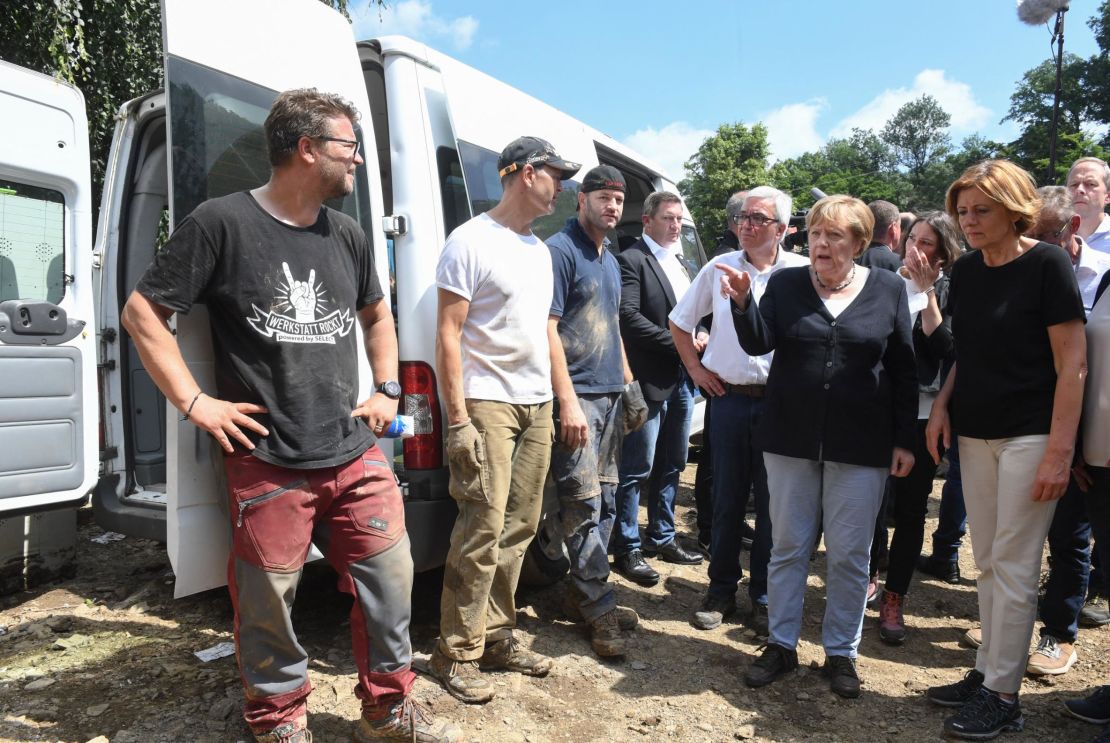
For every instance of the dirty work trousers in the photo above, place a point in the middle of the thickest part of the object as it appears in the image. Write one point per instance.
(354, 514)
(499, 509)
(1008, 530)
(586, 486)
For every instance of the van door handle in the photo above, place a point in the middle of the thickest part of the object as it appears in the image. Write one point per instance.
(395, 225)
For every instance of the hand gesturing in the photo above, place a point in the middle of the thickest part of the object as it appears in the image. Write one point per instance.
(302, 294)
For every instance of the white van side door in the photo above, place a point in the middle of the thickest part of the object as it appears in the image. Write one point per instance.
(226, 61)
(48, 400)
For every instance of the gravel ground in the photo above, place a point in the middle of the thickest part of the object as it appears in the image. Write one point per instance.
(108, 656)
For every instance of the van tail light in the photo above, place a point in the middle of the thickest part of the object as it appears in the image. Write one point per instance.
(424, 450)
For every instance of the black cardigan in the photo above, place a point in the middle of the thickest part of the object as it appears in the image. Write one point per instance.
(840, 389)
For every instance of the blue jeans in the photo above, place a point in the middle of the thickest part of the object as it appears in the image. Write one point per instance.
(844, 498)
(737, 467)
(952, 523)
(656, 454)
(1069, 555)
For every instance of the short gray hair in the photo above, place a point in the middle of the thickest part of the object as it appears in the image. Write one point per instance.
(735, 203)
(782, 202)
(1095, 161)
(1056, 201)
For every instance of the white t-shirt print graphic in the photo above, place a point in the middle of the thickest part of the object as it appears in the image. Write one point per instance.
(297, 307)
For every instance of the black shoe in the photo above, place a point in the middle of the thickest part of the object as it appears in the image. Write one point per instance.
(775, 662)
(1094, 708)
(945, 570)
(713, 611)
(985, 716)
(633, 567)
(1095, 612)
(841, 673)
(957, 694)
(758, 621)
(672, 552)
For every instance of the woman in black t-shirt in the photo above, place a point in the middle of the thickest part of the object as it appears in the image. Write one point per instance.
(1014, 397)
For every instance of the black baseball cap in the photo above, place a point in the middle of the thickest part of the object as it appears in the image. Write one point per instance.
(603, 177)
(533, 151)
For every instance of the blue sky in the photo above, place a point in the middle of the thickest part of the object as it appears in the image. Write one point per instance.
(661, 76)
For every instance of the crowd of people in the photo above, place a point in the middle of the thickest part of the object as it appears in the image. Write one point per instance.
(835, 385)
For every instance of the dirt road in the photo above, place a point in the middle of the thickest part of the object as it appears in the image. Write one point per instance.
(108, 656)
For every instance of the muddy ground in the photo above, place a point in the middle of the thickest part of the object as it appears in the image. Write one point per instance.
(108, 656)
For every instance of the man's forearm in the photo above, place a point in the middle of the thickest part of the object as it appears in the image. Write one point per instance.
(560, 375)
(684, 344)
(159, 352)
(381, 347)
(449, 369)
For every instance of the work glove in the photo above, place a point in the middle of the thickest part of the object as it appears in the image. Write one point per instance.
(634, 407)
(467, 456)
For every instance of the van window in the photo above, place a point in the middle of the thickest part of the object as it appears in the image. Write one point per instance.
(32, 242)
(218, 143)
(691, 246)
(452, 189)
(484, 189)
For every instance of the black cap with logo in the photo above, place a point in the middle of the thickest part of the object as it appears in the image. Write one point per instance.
(603, 177)
(533, 151)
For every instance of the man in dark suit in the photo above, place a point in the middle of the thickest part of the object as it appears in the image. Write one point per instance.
(654, 275)
(885, 238)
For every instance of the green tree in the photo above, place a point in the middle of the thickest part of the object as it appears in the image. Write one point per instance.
(734, 158)
(859, 165)
(917, 135)
(1096, 78)
(110, 49)
(1031, 107)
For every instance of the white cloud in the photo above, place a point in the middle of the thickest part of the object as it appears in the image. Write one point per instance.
(792, 129)
(953, 96)
(415, 18)
(670, 147)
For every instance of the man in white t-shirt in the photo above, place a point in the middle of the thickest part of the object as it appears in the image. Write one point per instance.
(1089, 186)
(494, 284)
(736, 382)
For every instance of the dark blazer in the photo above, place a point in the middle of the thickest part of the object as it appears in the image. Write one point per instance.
(840, 390)
(646, 301)
(878, 255)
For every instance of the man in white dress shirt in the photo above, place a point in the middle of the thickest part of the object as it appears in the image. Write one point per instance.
(1089, 186)
(737, 383)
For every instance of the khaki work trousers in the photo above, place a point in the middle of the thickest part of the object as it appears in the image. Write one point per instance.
(495, 525)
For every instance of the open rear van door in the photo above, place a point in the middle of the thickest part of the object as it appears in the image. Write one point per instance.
(226, 61)
(48, 400)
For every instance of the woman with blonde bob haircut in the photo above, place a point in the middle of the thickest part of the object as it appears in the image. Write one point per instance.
(1014, 397)
(841, 402)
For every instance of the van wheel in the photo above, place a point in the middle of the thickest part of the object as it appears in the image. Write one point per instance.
(539, 569)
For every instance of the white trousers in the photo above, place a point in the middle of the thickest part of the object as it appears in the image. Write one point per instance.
(1008, 531)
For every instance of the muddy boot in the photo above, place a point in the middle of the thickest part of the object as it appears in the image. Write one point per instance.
(627, 618)
(508, 655)
(461, 679)
(290, 732)
(605, 635)
(407, 720)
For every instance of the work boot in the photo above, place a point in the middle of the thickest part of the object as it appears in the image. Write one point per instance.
(841, 673)
(775, 662)
(957, 694)
(1051, 658)
(461, 679)
(407, 720)
(508, 655)
(605, 635)
(713, 611)
(1095, 612)
(892, 625)
(289, 732)
(627, 618)
(984, 716)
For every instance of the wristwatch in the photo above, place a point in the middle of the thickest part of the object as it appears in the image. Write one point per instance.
(391, 389)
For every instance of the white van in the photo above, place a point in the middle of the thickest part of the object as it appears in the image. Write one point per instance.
(77, 410)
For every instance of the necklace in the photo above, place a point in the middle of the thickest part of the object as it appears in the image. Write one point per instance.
(838, 287)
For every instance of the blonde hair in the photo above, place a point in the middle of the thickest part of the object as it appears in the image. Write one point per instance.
(1004, 183)
(846, 210)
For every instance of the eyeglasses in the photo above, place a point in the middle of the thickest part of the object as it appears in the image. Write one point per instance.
(355, 146)
(1048, 236)
(755, 219)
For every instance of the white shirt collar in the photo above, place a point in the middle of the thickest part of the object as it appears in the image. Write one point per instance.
(1090, 260)
(659, 251)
